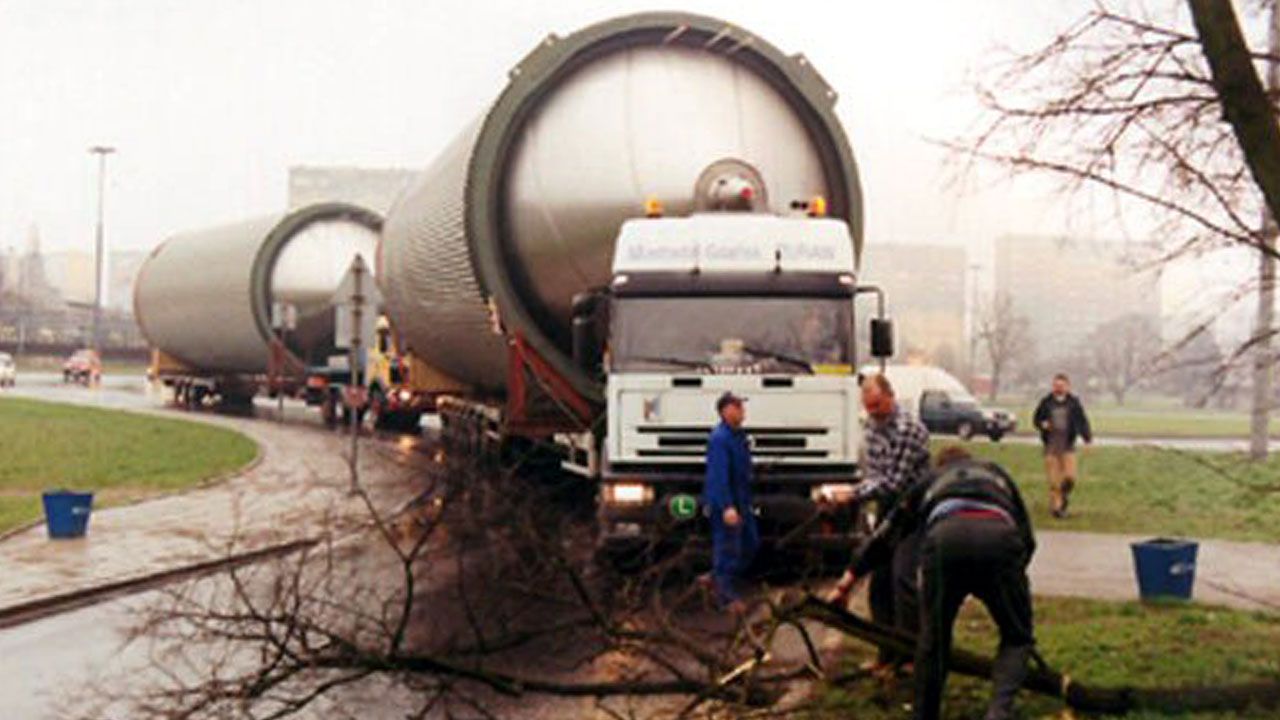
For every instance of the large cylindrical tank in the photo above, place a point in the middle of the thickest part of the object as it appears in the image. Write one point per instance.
(521, 211)
(205, 297)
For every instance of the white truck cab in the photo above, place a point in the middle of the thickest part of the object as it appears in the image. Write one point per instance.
(758, 305)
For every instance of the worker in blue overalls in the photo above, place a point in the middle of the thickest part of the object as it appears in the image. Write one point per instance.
(727, 502)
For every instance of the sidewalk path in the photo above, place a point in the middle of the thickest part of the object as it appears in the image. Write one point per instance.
(296, 490)
(1095, 565)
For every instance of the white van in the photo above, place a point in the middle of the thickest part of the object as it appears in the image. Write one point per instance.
(8, 370)
(943, 403)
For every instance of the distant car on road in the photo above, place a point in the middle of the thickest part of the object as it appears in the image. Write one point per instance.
(84, 366)
(944, 405)
(8, 371)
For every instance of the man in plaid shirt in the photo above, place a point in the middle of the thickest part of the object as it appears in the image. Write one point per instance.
(897, 456)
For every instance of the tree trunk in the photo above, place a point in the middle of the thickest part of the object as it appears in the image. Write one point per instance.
(1263, 358)
(1252, 117)
(1244, 102)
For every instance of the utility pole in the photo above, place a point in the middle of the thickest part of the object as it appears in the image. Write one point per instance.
(357, 312)
(102, 151)
(356, 294)
(1263, 357)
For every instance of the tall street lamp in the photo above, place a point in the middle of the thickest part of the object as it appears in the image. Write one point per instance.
(102, 151)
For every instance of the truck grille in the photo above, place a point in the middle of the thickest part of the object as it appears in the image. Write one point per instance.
(690, 441)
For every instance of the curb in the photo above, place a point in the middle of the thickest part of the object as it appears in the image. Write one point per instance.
(64, 602)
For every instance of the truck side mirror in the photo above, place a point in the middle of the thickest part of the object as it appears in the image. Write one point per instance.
(881, 338)
(588, 346)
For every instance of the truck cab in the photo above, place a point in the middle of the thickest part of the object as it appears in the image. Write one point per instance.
(758, 305)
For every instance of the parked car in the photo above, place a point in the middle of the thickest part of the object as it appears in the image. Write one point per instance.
(84, 366)
(8, 371)
(944, 405)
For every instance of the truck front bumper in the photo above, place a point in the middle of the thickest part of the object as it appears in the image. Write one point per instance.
(786, 523)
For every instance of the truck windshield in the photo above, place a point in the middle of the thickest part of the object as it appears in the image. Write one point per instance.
(730, 335)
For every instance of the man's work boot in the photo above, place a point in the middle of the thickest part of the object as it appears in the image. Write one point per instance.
(1007, 674)
(1068, 484)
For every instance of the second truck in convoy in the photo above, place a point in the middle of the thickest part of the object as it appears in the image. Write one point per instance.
(658, 209)
(246, 308)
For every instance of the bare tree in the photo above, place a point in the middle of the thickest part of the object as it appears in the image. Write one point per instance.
(1166, 114)
(1121, 353)
(1191, 371)
(480, 599)
(1005, 335)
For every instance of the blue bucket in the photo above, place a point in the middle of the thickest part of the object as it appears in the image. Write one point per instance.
(1166, 568)
(66, 513)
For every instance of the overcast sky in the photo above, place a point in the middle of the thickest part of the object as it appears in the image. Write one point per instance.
(210, 101)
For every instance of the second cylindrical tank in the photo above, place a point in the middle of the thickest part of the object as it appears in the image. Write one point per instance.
(205, 297)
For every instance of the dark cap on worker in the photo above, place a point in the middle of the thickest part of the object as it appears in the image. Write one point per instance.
(727, 399)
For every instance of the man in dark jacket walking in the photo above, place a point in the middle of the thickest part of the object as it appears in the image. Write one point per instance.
(976, 540)
(1061, 420)
(727, 501)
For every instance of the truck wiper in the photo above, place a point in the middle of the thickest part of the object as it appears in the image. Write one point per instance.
(798, 362)
(682, 362)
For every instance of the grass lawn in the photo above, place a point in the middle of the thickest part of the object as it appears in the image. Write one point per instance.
(1097, 643)
(121, 456)
(1151, 491)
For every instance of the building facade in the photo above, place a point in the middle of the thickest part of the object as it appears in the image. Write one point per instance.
(926, 290)
(1066, 288)
(372, 188)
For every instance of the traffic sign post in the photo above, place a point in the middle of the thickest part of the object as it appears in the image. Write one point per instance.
(284, 319)
(355, 326)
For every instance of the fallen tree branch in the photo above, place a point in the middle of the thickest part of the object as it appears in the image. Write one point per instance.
(1046, 681)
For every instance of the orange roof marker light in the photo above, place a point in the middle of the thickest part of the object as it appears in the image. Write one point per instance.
(652, 207)
(818, 206)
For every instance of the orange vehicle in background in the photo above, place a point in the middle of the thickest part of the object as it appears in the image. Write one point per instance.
(83, 367)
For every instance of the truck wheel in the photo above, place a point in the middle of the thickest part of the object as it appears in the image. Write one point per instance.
(995, 435)
(622, 559)
(964, 430)
(409, 422)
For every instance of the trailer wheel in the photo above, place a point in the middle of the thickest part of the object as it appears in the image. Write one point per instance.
(378, 409)
(329, 410)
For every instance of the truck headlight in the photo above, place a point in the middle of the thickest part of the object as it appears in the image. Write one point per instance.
(835, 493)
(405, 396)
(625, 493)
